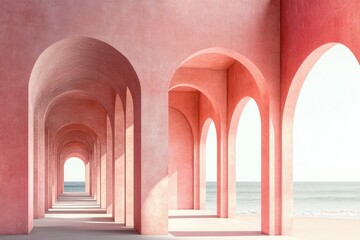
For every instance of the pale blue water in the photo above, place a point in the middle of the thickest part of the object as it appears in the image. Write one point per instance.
(329, 199)
(332, 199)
(74, 186)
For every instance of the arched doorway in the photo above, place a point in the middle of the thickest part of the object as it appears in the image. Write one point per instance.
(74, 175)
(248, 161)
(209, 130)
(321, 134)
(208, 85)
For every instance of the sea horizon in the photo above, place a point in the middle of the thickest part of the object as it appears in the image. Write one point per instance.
(74, 186)
(311, 198)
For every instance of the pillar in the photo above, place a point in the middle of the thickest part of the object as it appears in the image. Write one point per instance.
(129, 162)
(119, 163)
(103, 168)
(151, 172)
(109, 167)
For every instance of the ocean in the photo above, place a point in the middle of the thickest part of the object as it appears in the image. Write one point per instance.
(327, 199)
(74, 186)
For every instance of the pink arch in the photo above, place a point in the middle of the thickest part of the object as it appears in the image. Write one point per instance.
(234, 122)
(222, 59)
(86, 169)
(58, 98)
(185, 118)
(201, 90)
(287, 133)
(249, 65)
(48, 85)
(202, 164)
(236, 117)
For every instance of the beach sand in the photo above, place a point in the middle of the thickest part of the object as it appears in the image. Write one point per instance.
(248, 227)
(316, 228)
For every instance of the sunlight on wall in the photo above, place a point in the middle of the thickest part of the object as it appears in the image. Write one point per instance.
(326, 121)
(211, 153)
(74, 170)
(248, 144)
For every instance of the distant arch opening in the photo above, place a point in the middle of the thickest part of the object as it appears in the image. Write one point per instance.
(211, 168)
(74, 175)
(248, 160)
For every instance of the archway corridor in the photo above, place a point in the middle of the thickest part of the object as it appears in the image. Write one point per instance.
(77, 112)
(207, 90)
(77, 216)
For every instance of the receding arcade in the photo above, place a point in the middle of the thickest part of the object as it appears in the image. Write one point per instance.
(80, 106)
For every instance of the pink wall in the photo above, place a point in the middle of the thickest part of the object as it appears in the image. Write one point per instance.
(181, 162)
(240, 90)
(109, 166)
(130, 153)
(155, 54)
(119, 163)
(188, 104)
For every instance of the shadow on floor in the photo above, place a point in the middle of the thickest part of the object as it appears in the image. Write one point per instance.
(193, 216)
(77, 211)
(215, 233)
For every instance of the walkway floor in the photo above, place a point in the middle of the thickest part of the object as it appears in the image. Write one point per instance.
(77, 216)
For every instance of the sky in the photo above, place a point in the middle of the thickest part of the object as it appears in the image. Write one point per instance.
(327, 120)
